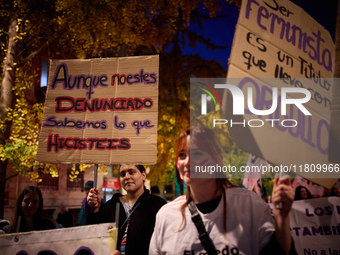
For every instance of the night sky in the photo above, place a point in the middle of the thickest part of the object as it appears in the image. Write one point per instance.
(221, 30)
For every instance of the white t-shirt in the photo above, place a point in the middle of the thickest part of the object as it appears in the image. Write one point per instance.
(249, 226)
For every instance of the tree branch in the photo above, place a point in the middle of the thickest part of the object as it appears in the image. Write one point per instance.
(14, 175)
(34, 53)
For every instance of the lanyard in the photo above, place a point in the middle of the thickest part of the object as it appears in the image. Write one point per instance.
(206, 242)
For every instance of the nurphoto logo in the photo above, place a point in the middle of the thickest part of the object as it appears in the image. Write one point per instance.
(238, 100)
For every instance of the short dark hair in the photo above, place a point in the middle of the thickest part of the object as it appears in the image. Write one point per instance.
(141, 168)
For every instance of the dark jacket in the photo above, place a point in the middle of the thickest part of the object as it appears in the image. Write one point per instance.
(141, 225)
(65, 219)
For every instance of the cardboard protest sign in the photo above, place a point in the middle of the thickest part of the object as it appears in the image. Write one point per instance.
(314, 225)
(278, 49)
(92, 239)
(101, 111)
(334, 138)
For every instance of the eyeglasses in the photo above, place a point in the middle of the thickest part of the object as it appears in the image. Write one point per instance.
(130, 171)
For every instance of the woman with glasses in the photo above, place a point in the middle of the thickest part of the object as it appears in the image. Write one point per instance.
(137, 211)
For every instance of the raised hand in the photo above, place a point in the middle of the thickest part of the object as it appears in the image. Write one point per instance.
(94, 200)
(283, 193)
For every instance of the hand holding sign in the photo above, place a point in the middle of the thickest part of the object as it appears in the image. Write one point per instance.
(94, 200)
(283, 193)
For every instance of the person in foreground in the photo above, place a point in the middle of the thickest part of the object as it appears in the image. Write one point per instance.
(28, 214)
(137, 211)
(237, 221)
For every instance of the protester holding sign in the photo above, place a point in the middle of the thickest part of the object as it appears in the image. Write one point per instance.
(230, 220)
(28, 213)
(137, 211)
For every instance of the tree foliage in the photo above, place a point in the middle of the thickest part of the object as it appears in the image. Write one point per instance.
(176, 70)
(86, 29)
